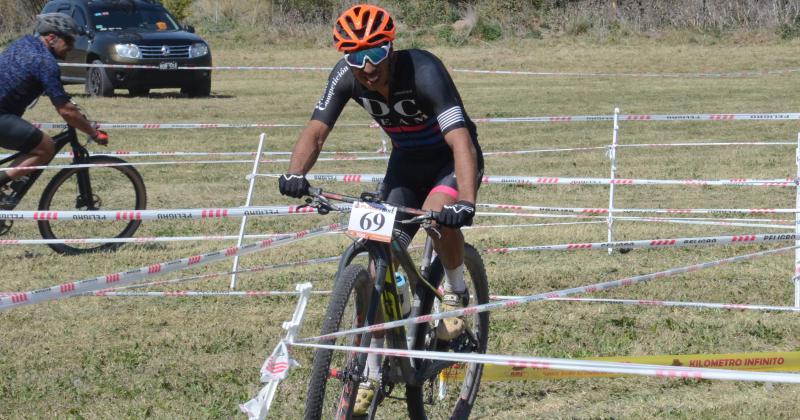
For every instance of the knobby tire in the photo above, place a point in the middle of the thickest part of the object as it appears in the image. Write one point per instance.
(350, 298)
(115, 188)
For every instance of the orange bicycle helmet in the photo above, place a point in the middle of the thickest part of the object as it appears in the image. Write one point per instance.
(362, 26)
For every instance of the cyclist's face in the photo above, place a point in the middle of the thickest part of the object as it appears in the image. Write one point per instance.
(59, 46)
(374, 77)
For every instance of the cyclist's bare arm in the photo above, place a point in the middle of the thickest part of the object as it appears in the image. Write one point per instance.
(73, 116)
(466, 162)
(308, 146)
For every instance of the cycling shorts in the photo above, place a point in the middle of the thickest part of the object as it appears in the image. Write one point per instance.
(411, 177)
(18, 134)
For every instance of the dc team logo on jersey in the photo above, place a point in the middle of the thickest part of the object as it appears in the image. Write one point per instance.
(406, 112)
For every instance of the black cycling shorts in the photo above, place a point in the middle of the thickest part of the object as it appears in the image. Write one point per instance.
(18, 134)
(411, 177)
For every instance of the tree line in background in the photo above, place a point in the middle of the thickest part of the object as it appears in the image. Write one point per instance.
(458, 21)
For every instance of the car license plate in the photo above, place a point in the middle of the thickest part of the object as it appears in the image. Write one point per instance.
(168, 65)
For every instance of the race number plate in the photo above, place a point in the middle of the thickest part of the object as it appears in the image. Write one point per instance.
(168, 65)
(372, 221)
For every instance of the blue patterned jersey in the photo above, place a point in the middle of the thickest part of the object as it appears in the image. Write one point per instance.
(423, 103)
(29, 69)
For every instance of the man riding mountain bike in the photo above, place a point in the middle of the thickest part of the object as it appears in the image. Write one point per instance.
(435, 163)
(30, 69)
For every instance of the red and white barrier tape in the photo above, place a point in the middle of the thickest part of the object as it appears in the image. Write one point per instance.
(612, 74)
(649, 117)
(160, 126)
(644, 302)
(471, 310)
(111, 165)
(786, 225)
(152, 67)
(166, 214)
(563, 118)
(129, 276)
(540, 180)
(698, 220)
(749, 223)
(742, 73)
(657, 243)
(349, 155)
(137, 240)
(189, 293)
(660, 371)
(226, 273)
(601, 210)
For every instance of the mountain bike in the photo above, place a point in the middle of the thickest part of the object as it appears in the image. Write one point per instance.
(359, 300)
(94, 187)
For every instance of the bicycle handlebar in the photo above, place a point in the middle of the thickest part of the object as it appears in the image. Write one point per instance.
(320, 200)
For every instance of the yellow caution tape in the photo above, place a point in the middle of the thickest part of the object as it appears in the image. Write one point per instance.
(762, 362)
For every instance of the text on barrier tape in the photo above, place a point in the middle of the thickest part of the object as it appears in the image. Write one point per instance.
(772, 361)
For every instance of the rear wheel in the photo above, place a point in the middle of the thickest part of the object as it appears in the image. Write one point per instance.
(335, 397)
(459, 395)
(97, 81)
(112, 188)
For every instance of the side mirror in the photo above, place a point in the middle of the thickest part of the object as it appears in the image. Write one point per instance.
(188, 28)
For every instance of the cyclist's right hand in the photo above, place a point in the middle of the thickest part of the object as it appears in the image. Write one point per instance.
(101, 138)
(293, 185)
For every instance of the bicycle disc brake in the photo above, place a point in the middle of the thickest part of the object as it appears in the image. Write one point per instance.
(5, 226)
(94, 204)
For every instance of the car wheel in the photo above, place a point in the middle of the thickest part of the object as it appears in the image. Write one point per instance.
(97, 81)
(139, 91)
(199, 90)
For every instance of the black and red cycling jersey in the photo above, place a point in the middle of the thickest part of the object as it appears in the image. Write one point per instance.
(423, 104)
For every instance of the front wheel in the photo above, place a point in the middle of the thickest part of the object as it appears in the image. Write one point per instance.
(459, 396)
(92, 189)
(328, 397)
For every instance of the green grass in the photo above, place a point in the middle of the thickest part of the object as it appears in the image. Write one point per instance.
(199, 358)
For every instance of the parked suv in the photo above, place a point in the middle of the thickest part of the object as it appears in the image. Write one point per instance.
(138, 32)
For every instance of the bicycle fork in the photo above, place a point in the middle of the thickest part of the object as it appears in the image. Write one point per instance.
(85, 196)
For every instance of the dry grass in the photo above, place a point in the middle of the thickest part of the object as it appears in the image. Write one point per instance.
(199, 358)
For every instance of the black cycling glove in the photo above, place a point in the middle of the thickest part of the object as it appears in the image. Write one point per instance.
(293, 185)
(456, 215)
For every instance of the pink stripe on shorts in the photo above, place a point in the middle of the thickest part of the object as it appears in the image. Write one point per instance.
(452, 192)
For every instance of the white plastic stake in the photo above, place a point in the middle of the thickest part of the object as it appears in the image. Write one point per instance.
(279, 363)
(796, 277)
(247, 203)
(612, 155)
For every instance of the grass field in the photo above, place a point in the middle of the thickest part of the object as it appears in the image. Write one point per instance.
(199, 357)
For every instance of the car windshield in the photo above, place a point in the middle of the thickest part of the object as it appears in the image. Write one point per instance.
(119, 19)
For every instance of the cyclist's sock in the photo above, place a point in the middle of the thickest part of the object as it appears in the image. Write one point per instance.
(374, 360)
(454, 279)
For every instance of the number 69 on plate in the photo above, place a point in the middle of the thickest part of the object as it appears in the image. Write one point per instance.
(372, 221)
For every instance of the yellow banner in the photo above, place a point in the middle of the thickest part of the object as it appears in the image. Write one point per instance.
(762, 362)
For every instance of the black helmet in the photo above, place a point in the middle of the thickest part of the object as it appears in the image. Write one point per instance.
(59, 24)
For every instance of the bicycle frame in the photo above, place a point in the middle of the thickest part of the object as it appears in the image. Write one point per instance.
(386, 258)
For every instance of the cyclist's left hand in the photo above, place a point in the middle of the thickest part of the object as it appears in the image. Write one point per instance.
(101, 138)
(457, 214)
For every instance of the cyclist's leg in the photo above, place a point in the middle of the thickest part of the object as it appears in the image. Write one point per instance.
(449, 245)
(17, 134)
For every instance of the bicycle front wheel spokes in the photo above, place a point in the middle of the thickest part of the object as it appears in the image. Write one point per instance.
(455, 397)
(91, 189)
(333, 385)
